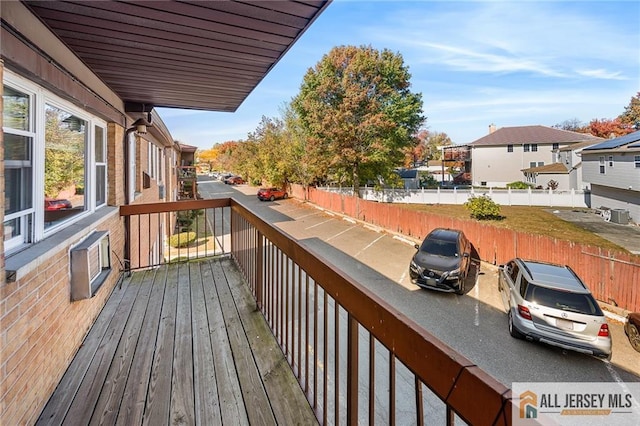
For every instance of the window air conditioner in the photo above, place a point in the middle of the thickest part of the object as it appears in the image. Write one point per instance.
(90, 265)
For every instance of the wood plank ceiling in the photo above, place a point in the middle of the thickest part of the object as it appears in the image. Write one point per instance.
(206, 55)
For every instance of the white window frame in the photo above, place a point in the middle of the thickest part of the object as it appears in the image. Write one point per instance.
(39, 98)
(636, 160)
(602, 165)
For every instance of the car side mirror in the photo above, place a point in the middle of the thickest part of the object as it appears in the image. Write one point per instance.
(417, 246)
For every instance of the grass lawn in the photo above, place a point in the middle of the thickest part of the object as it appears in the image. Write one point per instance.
(534, 220)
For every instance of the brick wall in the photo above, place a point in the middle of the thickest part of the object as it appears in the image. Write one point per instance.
(41, 329)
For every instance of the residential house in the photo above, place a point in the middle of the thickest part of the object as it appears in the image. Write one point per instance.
(612, 171)
(565, 170)
(503, 156)
(81, 137)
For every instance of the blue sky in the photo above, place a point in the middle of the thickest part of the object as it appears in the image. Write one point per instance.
(510, 63)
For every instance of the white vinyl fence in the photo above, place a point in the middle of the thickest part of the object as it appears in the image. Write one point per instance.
(503, 197)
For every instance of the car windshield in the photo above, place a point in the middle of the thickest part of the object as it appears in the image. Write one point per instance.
(440, 247)
(563, 300)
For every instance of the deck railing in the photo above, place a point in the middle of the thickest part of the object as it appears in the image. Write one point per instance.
(357, 358)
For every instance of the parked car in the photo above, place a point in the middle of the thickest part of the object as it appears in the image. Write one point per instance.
(442, 261)
(234, 180)
(631, 327)
(549, 303)
(271, 194)
(51, 204)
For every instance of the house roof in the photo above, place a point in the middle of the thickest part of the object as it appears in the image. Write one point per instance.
(578, 145)
(531, 134)
(206, 55)
(618, 142)
(553, 168)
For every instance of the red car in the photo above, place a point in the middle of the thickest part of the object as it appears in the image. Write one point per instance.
(234, 180)
(51, 204)
(271, 194)
(631, 327)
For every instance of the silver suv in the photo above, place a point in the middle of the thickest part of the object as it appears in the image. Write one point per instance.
(549, 303)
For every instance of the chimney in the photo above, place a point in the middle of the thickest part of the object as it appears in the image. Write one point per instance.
(492, 128)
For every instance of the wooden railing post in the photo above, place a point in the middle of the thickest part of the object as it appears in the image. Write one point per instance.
(259, 266)
(352, 370)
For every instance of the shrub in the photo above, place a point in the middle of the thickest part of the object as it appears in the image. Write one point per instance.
(518, 185)
(483, 208)
(182, 239)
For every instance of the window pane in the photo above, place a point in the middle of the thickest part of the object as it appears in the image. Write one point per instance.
(18, 173)
(101, 184)
(15, 110)
(99, 142)
(64, 186)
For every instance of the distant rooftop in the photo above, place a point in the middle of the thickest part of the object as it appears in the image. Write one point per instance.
(532, 134)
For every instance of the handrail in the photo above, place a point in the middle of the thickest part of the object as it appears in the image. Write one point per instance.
(279, 270)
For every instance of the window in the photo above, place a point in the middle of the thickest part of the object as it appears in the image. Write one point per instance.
(555, 146)
(101, 165)
(540, 163)
(636, 159)
(532, 164)
(534, 147)
(509, 148)
(55, 162)
(526, 147)
(611, 161)
(602, 165)
(18, 162)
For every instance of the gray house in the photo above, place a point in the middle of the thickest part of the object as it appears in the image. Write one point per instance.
(612, 170)
(504, 154)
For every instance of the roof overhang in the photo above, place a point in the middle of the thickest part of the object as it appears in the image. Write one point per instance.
(206, 55)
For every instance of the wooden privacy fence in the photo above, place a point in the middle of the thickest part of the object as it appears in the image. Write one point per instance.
(612, 276)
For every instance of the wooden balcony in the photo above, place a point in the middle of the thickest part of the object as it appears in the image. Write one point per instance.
(262, 331)
(180, 344)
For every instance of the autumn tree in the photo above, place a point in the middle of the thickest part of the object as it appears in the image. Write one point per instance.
(607, 128)
(357, 109)
(631, 114)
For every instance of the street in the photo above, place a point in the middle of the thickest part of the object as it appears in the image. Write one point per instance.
(473, 324)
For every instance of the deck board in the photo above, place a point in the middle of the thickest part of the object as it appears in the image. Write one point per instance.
(182, 344)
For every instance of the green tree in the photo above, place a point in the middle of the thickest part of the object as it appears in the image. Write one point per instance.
(358, 111)
(631, 114)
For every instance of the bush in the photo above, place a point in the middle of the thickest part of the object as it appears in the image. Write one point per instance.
(518, 185)
(182, 239)
(483, 208)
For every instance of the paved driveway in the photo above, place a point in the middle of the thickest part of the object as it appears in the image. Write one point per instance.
(627, 236)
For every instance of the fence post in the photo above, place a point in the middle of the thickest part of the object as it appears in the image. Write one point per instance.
(259, 266)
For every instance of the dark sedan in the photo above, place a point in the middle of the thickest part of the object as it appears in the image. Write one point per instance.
(442, 261)
(631, 327)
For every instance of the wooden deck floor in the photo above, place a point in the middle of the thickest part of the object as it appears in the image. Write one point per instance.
(182, 344)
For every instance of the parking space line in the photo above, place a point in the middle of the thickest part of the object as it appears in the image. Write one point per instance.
(369, 245)
(318, 224)
(339, 233)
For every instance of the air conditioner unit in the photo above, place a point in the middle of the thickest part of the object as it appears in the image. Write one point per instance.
(90, 265)
(620, 216)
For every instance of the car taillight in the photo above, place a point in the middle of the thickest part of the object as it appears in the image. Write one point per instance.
(524, 312)
(604, 331)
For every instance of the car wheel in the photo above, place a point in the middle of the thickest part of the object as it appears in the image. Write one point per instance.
(512, 329)
(272, 198)
(634, 337)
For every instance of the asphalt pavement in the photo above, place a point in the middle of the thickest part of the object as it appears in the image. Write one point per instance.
(626, 236)
(474, 324)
